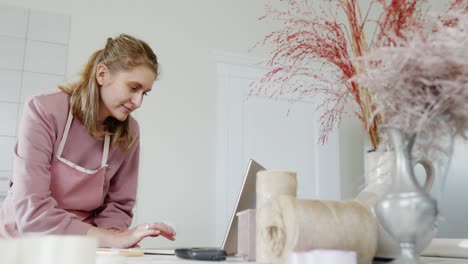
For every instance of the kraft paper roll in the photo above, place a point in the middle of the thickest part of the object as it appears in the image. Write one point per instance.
(9, 250)
(57, 250)
(271, 184)
(290, 224)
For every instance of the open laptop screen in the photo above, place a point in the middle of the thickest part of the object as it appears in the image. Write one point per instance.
(245, 200)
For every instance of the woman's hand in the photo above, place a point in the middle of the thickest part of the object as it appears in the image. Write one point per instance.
(131, 237)
(164, 230)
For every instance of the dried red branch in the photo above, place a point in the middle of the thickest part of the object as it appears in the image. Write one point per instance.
(306, 40)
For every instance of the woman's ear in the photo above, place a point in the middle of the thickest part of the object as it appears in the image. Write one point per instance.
(101, 73)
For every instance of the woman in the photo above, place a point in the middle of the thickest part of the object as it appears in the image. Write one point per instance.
(77, 153)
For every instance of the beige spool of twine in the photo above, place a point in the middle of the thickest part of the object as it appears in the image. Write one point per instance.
(290, 224)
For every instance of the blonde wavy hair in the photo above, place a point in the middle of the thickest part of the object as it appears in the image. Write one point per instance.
(122, 53)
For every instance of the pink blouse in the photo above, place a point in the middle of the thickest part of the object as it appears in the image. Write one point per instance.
(31, 208)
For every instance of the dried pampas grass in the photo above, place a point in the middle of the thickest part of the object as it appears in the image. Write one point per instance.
(421, 86)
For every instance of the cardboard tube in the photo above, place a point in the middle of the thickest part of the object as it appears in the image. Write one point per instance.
(270, 184)
(58, 250)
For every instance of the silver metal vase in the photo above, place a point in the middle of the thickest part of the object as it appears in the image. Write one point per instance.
(406, 212)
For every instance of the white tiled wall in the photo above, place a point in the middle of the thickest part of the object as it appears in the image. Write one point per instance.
(10, 85)
(8, 115)
(45, 57)
(4, 182)
(11, 52)
(35, 83)
(13, 21)
(33, 52)
(6, 145)
(47, 27)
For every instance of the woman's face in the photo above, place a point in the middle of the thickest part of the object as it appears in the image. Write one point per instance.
(122, 92)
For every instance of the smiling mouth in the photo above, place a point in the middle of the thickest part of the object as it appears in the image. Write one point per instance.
(128, 110)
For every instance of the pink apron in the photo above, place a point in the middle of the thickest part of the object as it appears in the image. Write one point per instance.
(76, 189)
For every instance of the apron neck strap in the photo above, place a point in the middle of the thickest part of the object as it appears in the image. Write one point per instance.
(65, 133)
(105, 149)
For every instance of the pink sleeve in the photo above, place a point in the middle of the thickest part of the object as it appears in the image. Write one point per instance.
(36, 210)
(118, 204)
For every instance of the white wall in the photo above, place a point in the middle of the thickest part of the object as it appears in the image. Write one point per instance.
(33, 52)
(453, 204)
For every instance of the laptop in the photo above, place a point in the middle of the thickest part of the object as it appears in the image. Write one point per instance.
(245, 200)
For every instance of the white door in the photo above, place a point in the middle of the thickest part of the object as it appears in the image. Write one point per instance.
(261, 128)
